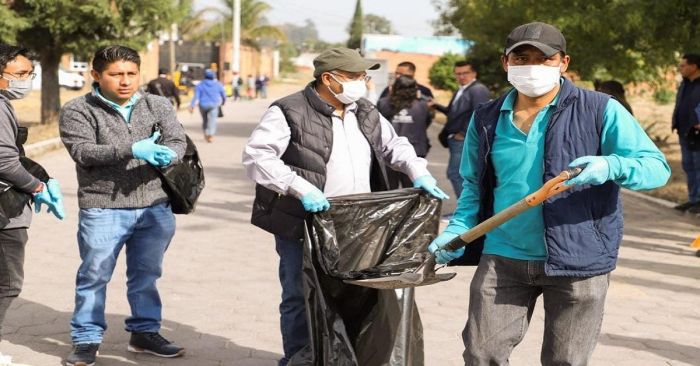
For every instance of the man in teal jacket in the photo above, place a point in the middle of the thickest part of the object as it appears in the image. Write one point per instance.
(566, 248)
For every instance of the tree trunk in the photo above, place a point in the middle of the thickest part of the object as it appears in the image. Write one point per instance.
(50, 92)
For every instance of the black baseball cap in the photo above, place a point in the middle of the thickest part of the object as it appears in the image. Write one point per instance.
(344, 59)
(545, 37)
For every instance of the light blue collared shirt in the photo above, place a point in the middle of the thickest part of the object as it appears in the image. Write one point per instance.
(124, 110)
(518, 161)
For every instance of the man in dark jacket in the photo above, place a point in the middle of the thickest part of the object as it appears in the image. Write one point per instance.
(324, 141)
(16, 74)
(686, 119)
(164, 87)
(109, 134)
(471, 93)
(565, 249)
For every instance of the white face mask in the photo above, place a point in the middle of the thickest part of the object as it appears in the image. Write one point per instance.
(534, 80)
(352, 90)
(17, 89)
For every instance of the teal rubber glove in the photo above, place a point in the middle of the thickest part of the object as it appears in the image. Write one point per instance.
(429, 184)
(596, 171)
(154, 154)
(53, 198)
(443, 256)
(315, 201)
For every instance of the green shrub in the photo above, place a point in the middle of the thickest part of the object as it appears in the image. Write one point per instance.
(441, 74)
(663, 96)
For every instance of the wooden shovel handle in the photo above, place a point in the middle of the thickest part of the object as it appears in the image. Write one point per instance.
(551, 188)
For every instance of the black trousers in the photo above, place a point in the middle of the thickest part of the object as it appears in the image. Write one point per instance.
(12, 243)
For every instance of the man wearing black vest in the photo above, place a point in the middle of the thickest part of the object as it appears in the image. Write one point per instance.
(470, 94)
(566, 248)
(323, 141)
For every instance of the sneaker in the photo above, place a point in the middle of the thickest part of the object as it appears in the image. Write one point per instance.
(684, 206)
(695, 209)
(83, 354)
(154, 344)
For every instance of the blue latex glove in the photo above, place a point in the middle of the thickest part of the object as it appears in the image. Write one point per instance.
(52, 197)
(596, 171)
(315, 201)
(429, 184)
(443, 256)
(154, 154)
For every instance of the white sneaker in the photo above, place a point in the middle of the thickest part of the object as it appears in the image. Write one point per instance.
(5, 360)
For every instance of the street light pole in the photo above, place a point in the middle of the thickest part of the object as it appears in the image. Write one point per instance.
(236, 54)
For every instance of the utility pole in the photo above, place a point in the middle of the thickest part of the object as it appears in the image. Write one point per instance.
(236, 39)
(171, 46)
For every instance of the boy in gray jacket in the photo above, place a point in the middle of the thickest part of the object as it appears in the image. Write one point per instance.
(109, 134)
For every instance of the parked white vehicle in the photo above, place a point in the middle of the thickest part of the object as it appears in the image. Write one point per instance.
(66, 79)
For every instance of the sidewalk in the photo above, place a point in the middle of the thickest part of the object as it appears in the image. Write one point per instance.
(220, 289)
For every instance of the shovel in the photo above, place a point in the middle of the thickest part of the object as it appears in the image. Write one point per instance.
(425, 273)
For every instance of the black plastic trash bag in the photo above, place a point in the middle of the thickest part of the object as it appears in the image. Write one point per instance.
(363, 236)
(184, 181)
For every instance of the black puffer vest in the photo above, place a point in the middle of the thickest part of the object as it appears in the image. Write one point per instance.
(311, 141)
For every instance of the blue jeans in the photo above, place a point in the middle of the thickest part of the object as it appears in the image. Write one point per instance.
(502, 297)
(691, 165)
(209, 116)
(295, 332)
(455, 147)
(102, 233)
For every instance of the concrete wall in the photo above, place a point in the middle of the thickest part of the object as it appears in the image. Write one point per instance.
(423, 62)
(253, 62)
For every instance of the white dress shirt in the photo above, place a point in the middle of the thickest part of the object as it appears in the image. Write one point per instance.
(348, 168)
(461, 90)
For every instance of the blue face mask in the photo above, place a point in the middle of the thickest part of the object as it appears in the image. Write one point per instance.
(17, 89)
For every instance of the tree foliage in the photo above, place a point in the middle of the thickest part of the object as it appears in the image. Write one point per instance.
(355, 27)
(629, 40)
(254, 25)
(377, 24)
(54, 27)
(441, 74)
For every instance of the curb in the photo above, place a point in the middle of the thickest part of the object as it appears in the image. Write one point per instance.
(42, 147)
(657, 201)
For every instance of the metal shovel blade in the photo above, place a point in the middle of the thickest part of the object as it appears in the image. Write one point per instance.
(404, 280)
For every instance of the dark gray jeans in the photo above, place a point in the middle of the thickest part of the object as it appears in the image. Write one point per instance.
(501, 301)
(12, 242)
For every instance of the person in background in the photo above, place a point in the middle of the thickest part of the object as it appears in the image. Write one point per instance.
(210, 96)
(564, 249)
(250, 86)
(408, 69)
(123, 204)
(615, 89)
(16, 75)
(471, 94)
(686, 116)
(236, 84)
(264, 81)
(258, 86)
(164, 87)
(410, 118)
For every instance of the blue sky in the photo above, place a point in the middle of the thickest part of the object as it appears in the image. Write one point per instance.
(409, 17)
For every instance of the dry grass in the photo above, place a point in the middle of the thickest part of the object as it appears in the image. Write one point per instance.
(656, 120)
